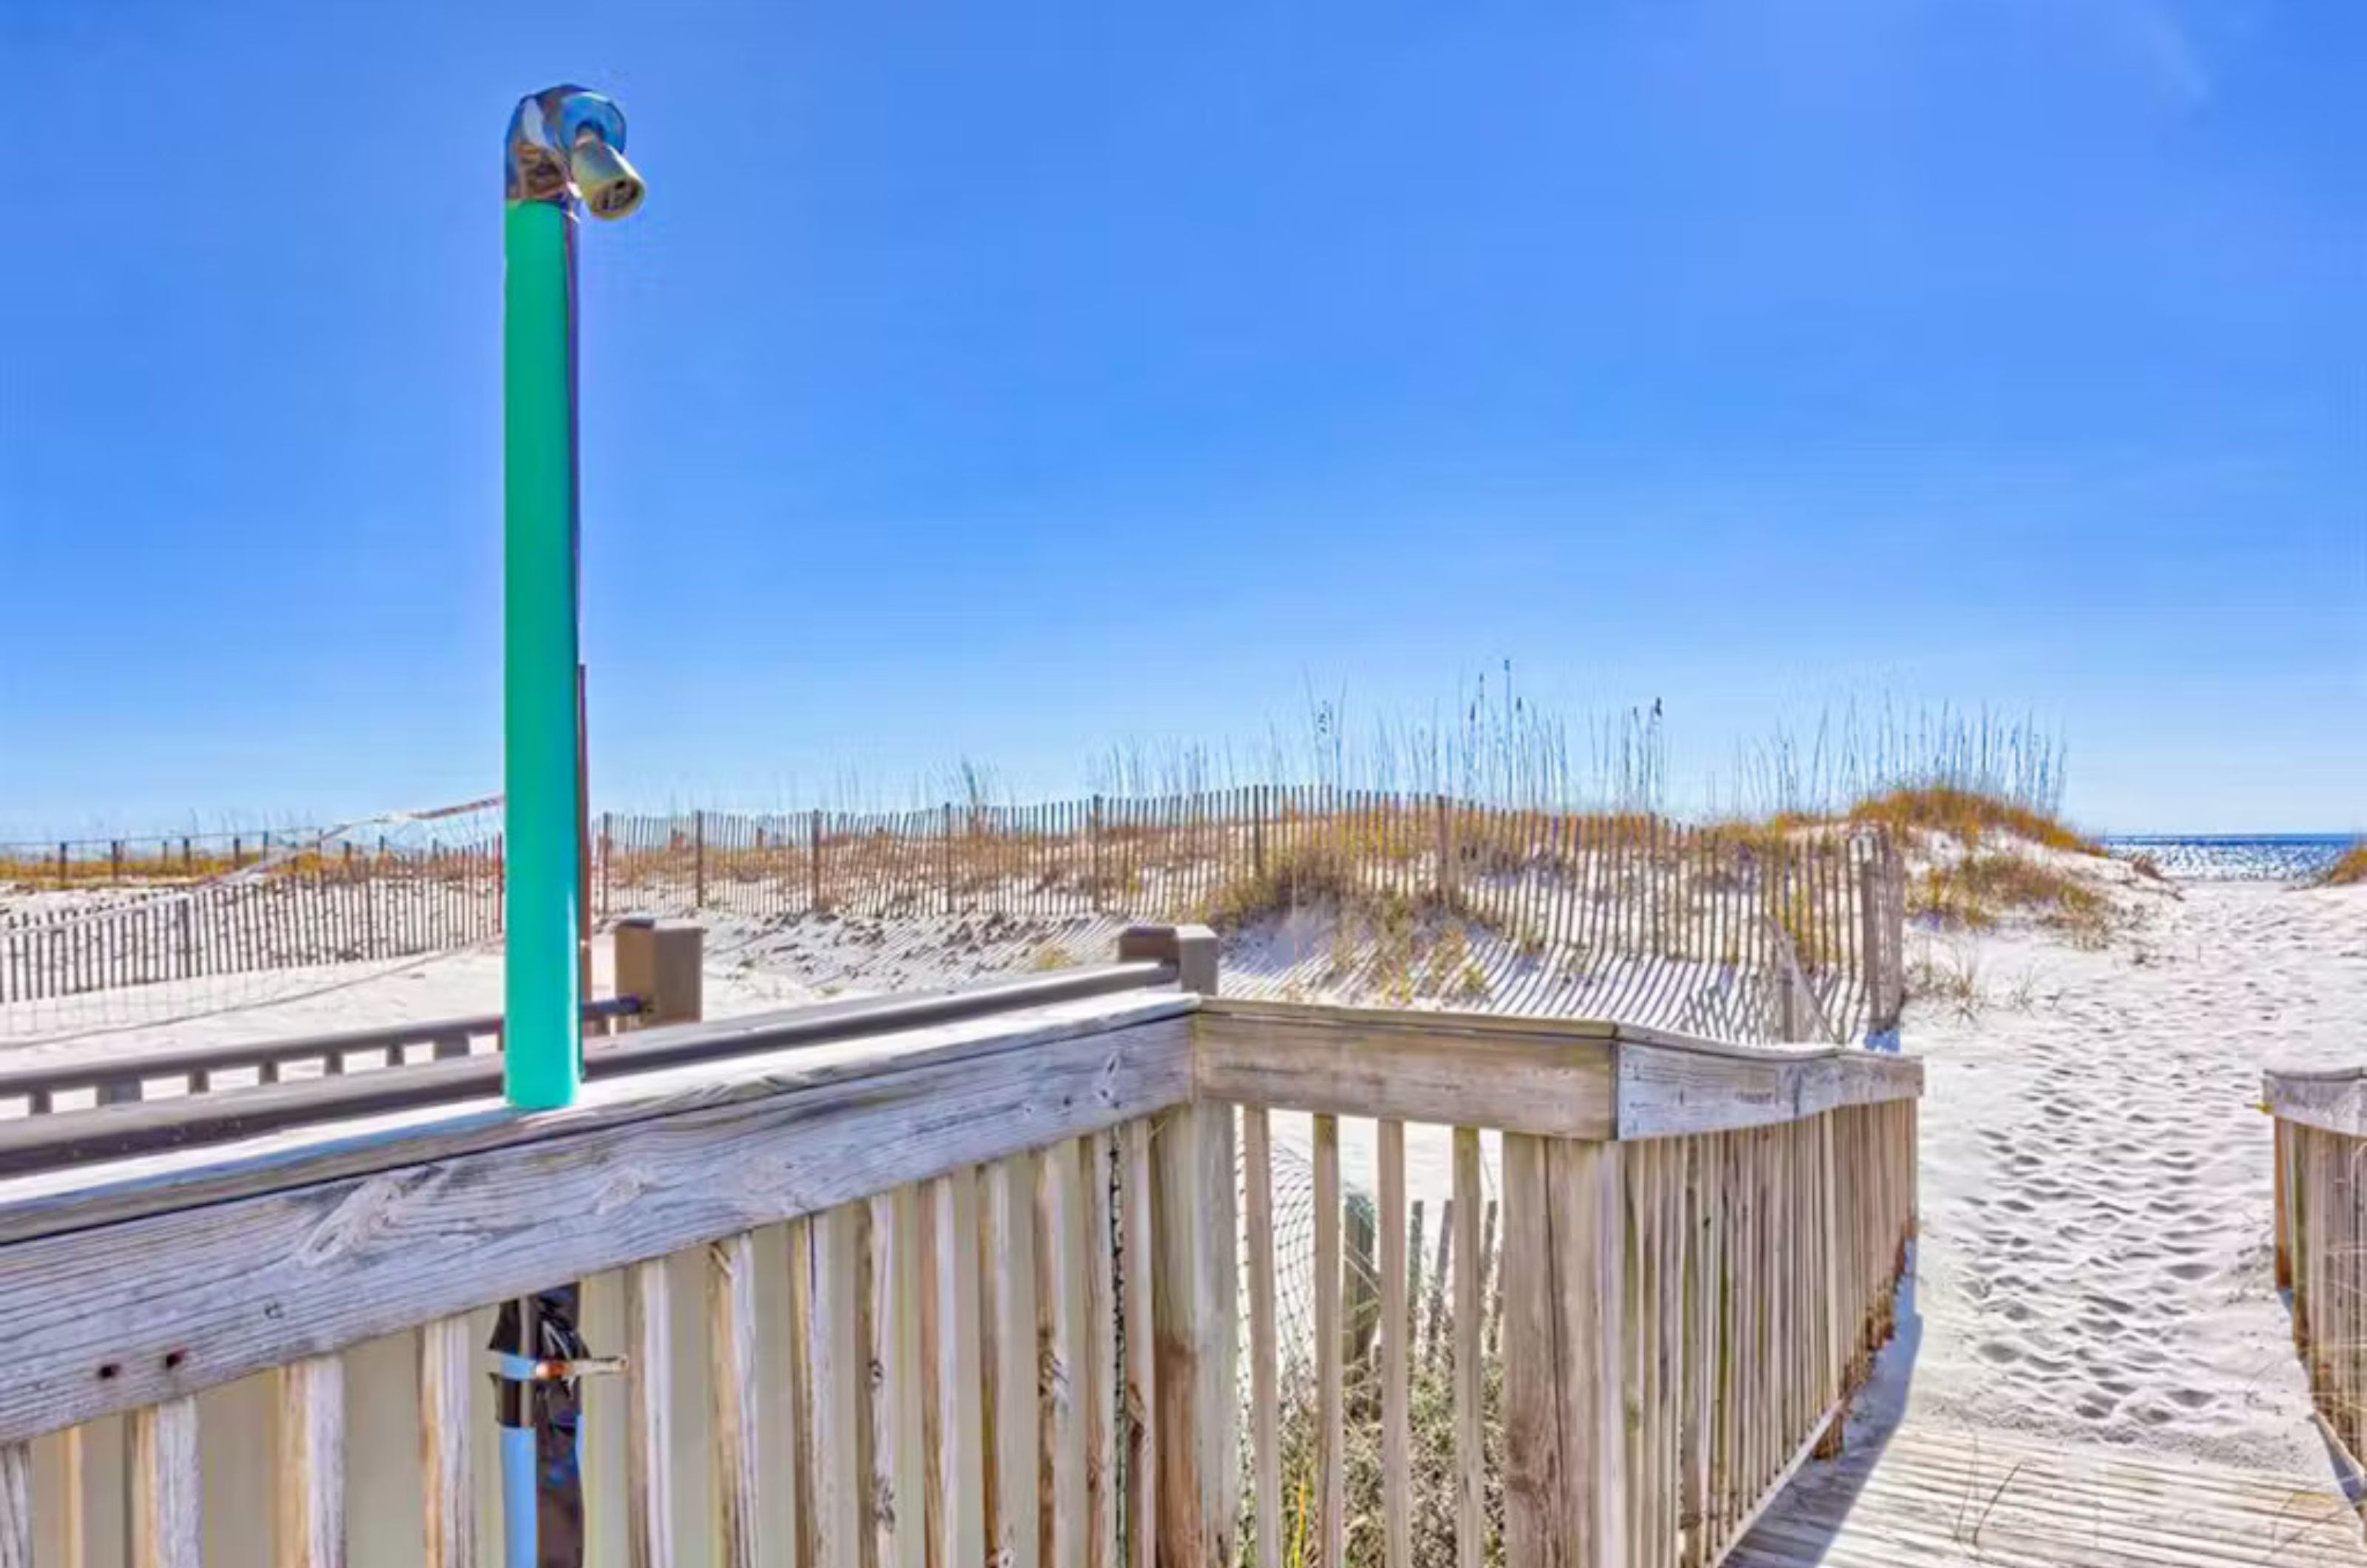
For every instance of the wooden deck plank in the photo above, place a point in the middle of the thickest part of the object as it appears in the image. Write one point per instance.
(1948, 1499)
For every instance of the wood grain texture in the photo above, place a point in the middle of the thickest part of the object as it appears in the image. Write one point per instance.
(2330, 1101)
(1196, 1293)
(841, 1531)
(898, 1373)
(349, 1259)
(1523, 1075)
(1007, 1343)
(1584, 1189)
(649, 1446)
(1470, 1455)
(1139, 1407)
(956, 1497)
(1668, 1091)
(76, 1194)
(310, 1467)
(1330, 1537)
(165, 1486)
(1396, 1329)
(1564, 1354)
(1061, 1340)
(1569, 1079)
(1265, 1391)
(1534, 1473)
(16, 1506)
(731, 1391)
(1959, 1498)
(1103, 1375)
(446, 1432)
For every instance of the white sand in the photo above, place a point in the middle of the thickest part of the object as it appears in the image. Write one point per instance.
(2095, 1263)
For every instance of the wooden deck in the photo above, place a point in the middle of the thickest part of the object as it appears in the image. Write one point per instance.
(1933, 1499)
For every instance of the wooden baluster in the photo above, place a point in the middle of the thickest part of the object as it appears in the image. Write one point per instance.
(897, 1375)
(648, 1459)
(311, 1464)
(835, 1376)
(731, 1385)
(1265, 1391)
(1637, 1386)
(166, 1486)
(1102, 1375)
(447, 1476)
(1059, 1331)
(1331, 1440)
(1470, 1456)
(1197, 1273)
(1563, 1500)
(956, 1505)
(1006, 1223)
(1703, 1232)
(1396, 1472)
(1140, 1407)
(16, 1506)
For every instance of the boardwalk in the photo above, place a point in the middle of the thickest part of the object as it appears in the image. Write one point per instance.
(1927, 1498)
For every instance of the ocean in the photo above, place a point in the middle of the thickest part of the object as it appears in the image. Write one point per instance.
(2234, 857)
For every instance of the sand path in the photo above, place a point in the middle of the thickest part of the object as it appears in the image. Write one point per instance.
(2095, 1262)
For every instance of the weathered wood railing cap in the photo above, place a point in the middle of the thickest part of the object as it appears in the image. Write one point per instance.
(2334, 1099)
(58, 1073)
(115, 1132)
(1554, 1077)
(107, 1192)
(149, 1279)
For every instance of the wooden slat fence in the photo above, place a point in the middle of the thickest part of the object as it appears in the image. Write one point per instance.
(301, 911)
(1803, 924)
(1813, 914)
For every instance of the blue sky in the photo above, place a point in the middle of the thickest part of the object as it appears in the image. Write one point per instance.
(1009, 381)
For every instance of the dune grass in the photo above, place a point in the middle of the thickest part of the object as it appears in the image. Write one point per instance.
(1979, 891)
(2351, 871)
(1969, 816)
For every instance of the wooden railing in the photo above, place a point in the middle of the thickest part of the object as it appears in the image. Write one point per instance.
(1700, 1245)
(969, 1290)
(2321, 1238)
(130, 1077)
(657, 972)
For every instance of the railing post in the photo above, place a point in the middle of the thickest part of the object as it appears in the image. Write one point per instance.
(658, 960)
(1196, 1293)
(1565, 1421)
(698, 860)
(1191, 949)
